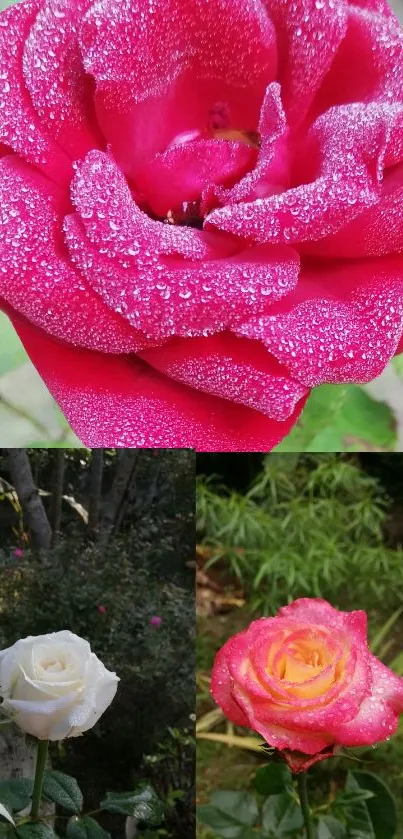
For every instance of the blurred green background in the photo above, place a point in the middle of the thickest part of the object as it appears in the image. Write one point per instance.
(337, 418)
(28, 414)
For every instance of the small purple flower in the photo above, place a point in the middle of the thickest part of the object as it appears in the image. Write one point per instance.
(18, 553)
(155, 621)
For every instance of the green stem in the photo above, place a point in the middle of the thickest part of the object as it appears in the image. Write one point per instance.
(303, 797)
(41, 758)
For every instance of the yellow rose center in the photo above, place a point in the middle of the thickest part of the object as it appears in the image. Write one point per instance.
(305, 665)
(250, 138)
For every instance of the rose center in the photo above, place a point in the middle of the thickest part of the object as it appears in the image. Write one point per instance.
(301, 662)
(52, 665)
(184, 182)
(311, 658)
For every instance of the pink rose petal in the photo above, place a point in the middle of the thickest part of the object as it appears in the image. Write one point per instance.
(349, 337)
(231, 368)
(37, 277)
(121, 401)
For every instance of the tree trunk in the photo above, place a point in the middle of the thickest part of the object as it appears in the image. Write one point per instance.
(17, 760)
(59, 463)
(95, 489)
(125, 467)
(31, 503)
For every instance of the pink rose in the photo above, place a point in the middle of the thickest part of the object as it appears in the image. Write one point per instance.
(307, 682)
(155, 621)
(202, 209)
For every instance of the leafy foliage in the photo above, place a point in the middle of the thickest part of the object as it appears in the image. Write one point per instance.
(108, 592)
(342, 418)
(142, 803)
(307, 526)
(365, 809)
(156, 665)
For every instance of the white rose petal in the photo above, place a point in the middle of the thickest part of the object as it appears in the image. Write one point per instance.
(54, 686)
(6, 815)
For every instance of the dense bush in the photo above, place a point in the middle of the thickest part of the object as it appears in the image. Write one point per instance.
(309, 525)
(109, 598)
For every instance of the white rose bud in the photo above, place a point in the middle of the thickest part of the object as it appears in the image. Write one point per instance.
(54, 686)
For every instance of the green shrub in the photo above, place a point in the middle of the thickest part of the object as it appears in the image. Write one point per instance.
(310, 525)
(64, 589)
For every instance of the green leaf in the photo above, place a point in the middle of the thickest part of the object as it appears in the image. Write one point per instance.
(85, 828)
(16, 793)
(241, 803)
(34, 830)
(323, 405)
(281, 815)
(339, 418)
(359, 824)
(398, 364)
(397, 664)
(365, 424)
(272, 779)
(346, 799)
(142, 803)
(63, 790)
(384, 630)
(331, 828)
(381, 808)
(229, 813)
(5, 814)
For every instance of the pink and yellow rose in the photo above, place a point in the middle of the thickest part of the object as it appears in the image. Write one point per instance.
(307, 682)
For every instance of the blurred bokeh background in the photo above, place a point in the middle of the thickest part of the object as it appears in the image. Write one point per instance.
(337, 417)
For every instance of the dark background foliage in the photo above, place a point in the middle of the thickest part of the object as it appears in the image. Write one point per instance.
(105, 584)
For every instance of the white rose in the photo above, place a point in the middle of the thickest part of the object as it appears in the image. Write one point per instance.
(54, 686)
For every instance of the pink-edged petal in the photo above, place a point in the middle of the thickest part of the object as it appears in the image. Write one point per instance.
(211, 51)
(378, 716)
(314, 610)
(232, 368)
(343, 322)
(280, 736)
(60, 90)
(338, 167)
(20, 126)
(120, 401)
(36, 276)
(186, 170)
(334, 707)
(221, 684)
(309, 34)
(274, 699)
(367, 65)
